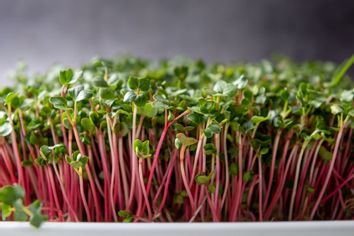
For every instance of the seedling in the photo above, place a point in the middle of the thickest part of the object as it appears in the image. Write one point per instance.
(133, 141)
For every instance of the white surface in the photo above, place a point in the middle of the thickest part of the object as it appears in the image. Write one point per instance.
(323, 228)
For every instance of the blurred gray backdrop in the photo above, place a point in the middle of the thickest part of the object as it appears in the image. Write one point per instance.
(43, 32)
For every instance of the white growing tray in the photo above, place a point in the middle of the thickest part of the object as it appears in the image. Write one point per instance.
(315, 228)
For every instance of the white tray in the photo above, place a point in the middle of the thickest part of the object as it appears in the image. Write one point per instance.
(323, 228)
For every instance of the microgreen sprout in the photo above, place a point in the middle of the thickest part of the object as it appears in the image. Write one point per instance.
(133, 141)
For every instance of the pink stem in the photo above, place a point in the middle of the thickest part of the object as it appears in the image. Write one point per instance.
(329, 173)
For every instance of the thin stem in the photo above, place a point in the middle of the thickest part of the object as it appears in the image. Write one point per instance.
(142, 186)
(296, 180)
(133, 160)
(184, 178)
(329, 173)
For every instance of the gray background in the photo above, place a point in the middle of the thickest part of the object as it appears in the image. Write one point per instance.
(43, 32)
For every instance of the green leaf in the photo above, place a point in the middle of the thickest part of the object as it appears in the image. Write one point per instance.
(146, 147)
(195, 118)
(209, 149)
(3, 116)
(5, 129)
(46, 150)
(224, 89)
(36, 219)
(351, 113)
(12, 99)
(186, 141)
(240, 82)
(325, 154)
(202, 179)
(258, 119)
(9, 194)
(347, 95)
(179, 197)
(124, 214)
(128, 219)
(261, 97)
(6, 210)
(58, 102)
(144, 84)
(59, 149)
(215, 128)
(310, 189)
(79, 93)
(100, 82)
(27, 163)
(106, 93)
(170, 116)
(208, 107)
(76, 77)
(133, 83)
(85, 139)
(264, 151)
(211, 130)
(78, 162)
(181, 72)
(19, 213)
(141, 99)
(148, 110)
(336, 109)
(178, 143)
(137, 145)
(41, 161)
(87, 124)
(212, 188)
(284, 94)
(233, 169)
(315, 135)
(247, 176)
(142, 149)
(65, 76)
(83, 94)
(220, 86)
(95, 118)
(129, 96)
(337, 77)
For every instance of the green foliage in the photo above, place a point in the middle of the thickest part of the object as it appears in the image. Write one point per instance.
(36, 218)
(11, 203)
(5, 129)
(258, 119)
(127, 216)
(186, 141)
(209, 148)
(87, 124)
(211, 130)
(180, 197)
(247, 176)
(148, 110)
(106, 93)
(142, 84)
(78, 162)
(11, 193)
(142, 149)
(202, 179)
(231, 110)
(79, 93)
(338, 75)
(65, 76)
(233, 169)
(58, 102)
(241, 82)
